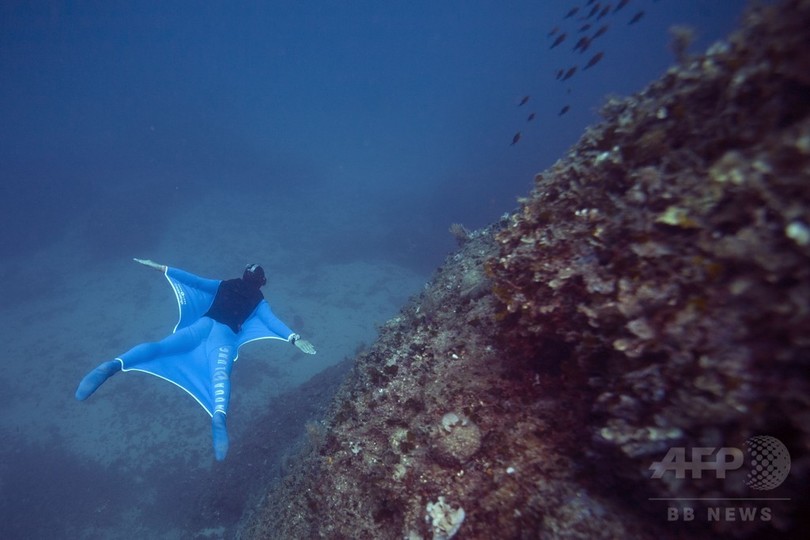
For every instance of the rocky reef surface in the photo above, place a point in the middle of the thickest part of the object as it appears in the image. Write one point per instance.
(652, 292)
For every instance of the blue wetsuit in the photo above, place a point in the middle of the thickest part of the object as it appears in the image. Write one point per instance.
(216, 319)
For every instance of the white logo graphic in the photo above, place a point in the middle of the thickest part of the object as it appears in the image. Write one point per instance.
(769, 463)
(768, 460)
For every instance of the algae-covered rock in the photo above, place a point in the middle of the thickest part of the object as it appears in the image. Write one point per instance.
(679, 275)
(456, 440)
(651, 296)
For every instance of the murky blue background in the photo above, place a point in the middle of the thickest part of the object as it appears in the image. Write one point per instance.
(334, 142)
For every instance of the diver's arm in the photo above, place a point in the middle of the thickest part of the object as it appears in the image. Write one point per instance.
(152, 264)
(281, 330)
(206, 285)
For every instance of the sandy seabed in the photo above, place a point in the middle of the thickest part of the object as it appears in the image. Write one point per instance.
(80, 310)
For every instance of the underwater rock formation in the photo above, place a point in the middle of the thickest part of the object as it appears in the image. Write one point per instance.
(652, 292)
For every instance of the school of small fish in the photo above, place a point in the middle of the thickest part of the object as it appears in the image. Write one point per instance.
(584, 18)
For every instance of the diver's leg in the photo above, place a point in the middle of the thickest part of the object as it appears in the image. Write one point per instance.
(220, 360)
(96, 378)
(221, 382)
(180, 341)
(221, 385)
(219, 434)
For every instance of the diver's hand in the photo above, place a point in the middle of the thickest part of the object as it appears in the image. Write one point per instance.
(305, 346)
(151, 264)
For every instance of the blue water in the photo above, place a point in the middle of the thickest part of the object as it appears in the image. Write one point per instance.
(337, 139)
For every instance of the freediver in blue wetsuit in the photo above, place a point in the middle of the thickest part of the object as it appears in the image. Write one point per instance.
(216, 318)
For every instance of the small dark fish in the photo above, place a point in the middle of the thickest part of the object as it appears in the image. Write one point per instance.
(585, 46)
(557, 41)
(515, 139)
(560, 73)
(570, 73)
(600, 32)
(524, 100)
(581, 43)
(564, 110)
(585, 27)
(594, 9)
(594, 60)
(554, 31)
(571, 13)
(530, 118)
(620, 5)
(637, 17)
(604, 12)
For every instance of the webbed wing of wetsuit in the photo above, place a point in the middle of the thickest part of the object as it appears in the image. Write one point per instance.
(192, 369)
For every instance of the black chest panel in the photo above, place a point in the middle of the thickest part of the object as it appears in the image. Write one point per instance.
(234, 302)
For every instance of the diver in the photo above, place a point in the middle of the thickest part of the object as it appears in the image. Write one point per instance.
(216, 318)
